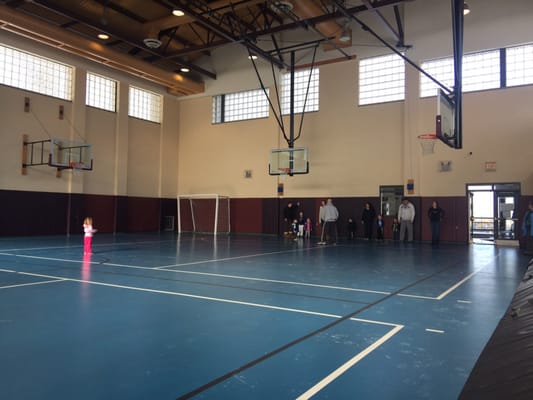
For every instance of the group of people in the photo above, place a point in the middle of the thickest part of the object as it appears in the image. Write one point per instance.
(402, 225)
(297, 225)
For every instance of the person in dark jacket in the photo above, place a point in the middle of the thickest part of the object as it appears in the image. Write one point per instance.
(367, 219)
(527, 229)
(435, 214)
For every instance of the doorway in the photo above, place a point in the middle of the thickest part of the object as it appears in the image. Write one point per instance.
(492, 213)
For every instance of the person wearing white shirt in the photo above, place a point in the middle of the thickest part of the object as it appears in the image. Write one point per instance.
(331, 214)
(406, 217)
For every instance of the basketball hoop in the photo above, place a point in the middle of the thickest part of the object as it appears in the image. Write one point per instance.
(427, 142)
(76, 165)
(284, 173)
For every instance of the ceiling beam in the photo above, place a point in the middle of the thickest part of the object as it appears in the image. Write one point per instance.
(35, 29)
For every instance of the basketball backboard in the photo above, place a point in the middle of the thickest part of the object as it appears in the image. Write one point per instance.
(446, 129)
(66, 154)
(289, 161)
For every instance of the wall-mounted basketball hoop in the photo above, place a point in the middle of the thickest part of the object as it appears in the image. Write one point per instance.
(427, 142)
(59, 153)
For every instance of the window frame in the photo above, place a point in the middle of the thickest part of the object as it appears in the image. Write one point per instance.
(306, 83)
(145, 104)
(377, 74)
(105, 88)
(27, 71)
(240, 106)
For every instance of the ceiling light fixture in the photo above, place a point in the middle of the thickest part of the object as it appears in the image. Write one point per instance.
(466, 9)
(152, 43)
(281, 6)
(184, 69)
(178, 13)
(345, 36)
(103, 36)
(252, 57)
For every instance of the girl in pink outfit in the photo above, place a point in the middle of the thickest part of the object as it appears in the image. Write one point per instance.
(308, 227)
(87, 240)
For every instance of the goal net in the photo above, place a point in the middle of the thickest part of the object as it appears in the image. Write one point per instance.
(203, 213)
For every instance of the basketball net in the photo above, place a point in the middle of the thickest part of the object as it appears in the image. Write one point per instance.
(76, 167)
(284, 173)
(427, 142)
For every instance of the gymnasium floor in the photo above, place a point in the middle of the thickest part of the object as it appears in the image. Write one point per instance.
(162, 316)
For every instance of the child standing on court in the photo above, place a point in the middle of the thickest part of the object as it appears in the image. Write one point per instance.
(88, 238)
(308, 228)
(396, 230)
(381, 226)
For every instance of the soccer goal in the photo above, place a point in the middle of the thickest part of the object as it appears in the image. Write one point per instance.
(203, 213)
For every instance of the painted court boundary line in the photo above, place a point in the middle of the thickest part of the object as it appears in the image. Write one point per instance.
(349, 364)
(78, 246)
(234, 258)
(29, 284)
(316, 388)
(168, 269)
(178, 271)
(447, 291)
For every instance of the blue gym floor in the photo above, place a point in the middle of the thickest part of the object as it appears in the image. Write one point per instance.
(162, 316)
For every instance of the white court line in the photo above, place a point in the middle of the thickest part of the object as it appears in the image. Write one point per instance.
(446, 292)
(466, 278)
(194, 296)
(434, 330)
(81, 245)
(32, 283)
(76, 261)
(415, 296)
(345, 367)
(165, 268)
(316, 388)
(177, 271)
(294, 283)
(232, 258)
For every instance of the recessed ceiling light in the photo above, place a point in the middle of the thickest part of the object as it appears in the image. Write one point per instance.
(184, 69)
(178, 13)
(103, 36)
(252, 57)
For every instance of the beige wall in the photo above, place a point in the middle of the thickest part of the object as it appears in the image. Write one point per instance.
(352, 149)
(131, 157)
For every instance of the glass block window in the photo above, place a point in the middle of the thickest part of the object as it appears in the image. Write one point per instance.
(519, 64)
(36, 74)
(144, 105)
(442, 70)
(481, 71)
(101, 92)
(240, 106)
(305, 84)
(381, 79)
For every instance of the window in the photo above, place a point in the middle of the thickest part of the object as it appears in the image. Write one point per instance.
(37, 74)
(101, 92)
(441, 70)
(519, 65)
(481, 71)
(381, 79)
(305, 84)
(240, 106)
(144, 105)
(390, 199)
